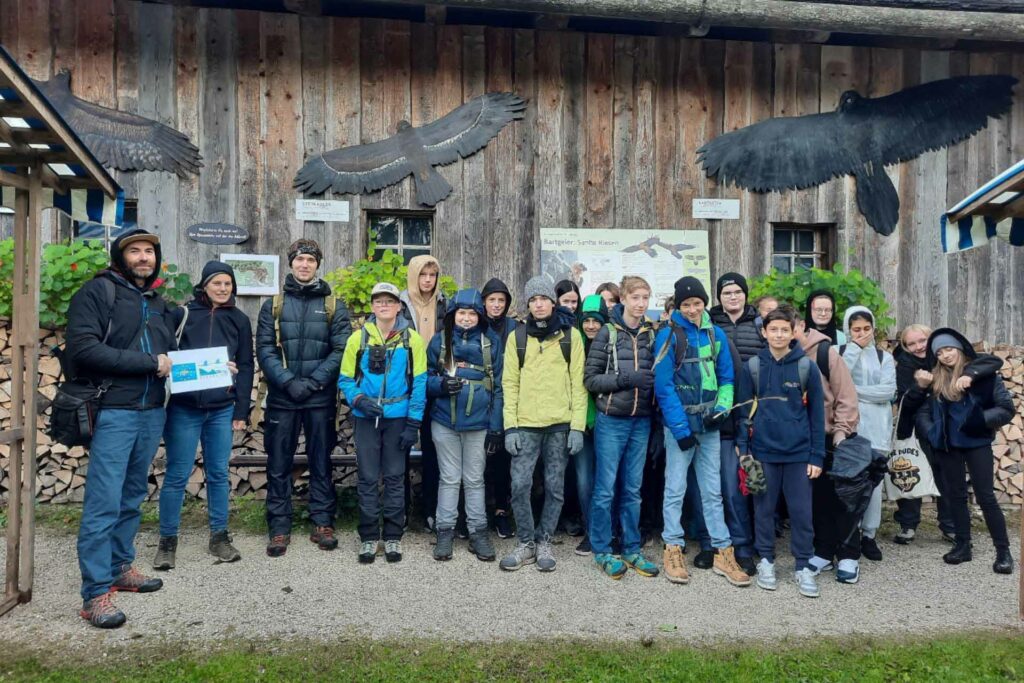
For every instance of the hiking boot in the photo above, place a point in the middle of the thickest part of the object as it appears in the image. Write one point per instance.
(818, 565)
(705, 559)
(960, 553)
(165, 551)
(807, 583)
(102, 613)
(324, 538)
(221, 548)
(278, 545)
(640, 564)
(1004, 561)
(584, 548)
(368, 552)
(481, 546)
(132, 580)
(725, 565)
(848, 571)
(524, 554)
(545, 558)
(747, 565)
(611, 566)
(675, 564)
(445, 543)
(766, 575)
(393, 550)
(904, 537)
(870, 550)
(502, 524)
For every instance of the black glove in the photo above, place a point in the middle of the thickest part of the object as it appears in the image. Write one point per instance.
(410, 434)
(634, 379)
(367, 406)
(493, 442)
(450, 386)
(687, 442)
(298, 390)
(713, 421)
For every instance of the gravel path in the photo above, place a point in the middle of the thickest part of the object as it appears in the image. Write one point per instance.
(313, 594)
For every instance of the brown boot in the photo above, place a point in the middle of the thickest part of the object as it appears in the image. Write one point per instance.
(725, 565)
(675, 565)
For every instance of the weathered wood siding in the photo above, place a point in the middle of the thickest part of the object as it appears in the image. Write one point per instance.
(608, 139)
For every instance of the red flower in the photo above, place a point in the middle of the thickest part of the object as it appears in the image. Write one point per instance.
(157, 283)
(74, 267)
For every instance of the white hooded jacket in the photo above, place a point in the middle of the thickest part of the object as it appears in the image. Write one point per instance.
(876, 385)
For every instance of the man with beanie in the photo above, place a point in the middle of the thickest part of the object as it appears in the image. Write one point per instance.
(300, 337)
(545, 413)
(497, 477)
(693, 376)
(118, 336)
(739, 321)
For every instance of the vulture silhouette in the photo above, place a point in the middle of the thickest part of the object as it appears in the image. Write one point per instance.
(367, 168)
(860, 138)
(118, 139)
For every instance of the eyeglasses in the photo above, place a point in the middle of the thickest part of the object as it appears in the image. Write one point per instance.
(732, 294)
(385, 301)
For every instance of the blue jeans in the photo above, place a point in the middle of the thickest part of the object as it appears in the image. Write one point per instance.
(621, 442)
(583, 463)
(707, 461)
(186, 427)
(737, 508)
(122, 450)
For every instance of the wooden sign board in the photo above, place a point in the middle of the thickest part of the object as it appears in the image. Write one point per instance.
(321, 210)
(217, 233)
(716, 209)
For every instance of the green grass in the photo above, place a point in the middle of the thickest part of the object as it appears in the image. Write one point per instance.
(974, 658)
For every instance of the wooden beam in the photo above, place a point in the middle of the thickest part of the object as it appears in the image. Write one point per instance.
(9, 157)
(796, 36)
(1012, 6)
(9, 436)
(21, 183)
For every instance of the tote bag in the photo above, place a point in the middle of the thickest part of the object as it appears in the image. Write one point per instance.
(908, 474)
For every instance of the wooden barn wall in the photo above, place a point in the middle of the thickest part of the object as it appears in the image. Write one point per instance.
(608, 139)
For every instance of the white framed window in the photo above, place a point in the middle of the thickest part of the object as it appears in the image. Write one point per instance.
(801, 246)
(407, 233)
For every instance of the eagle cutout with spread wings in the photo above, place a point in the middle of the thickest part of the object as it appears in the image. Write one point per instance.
(371, 167)
(120, 140)
(860, 138)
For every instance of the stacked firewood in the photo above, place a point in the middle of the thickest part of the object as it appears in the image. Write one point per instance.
(1008, 446)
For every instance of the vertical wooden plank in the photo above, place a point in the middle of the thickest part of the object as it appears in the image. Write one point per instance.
(344, 122)
(549, 188)
(797, 71)
(477, 237)
(448, 237)
(999, 133)
(250, 137)
(623, 124)
(598, 191)
(126, 75)
(1016, 321)
(755, 216)
(190, 35)
(527, 256)
(396, 104)
(837, 76)
(500, 184)
(738, 88)
(63, 26)
(642, 183)
(371, 75)
(958, 185)
(666, 122)
(93, 77)
(852, 227)
(315, 45)
(30, 24)
(573, 78)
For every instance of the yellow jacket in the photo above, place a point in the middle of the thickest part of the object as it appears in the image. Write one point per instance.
(545, 391)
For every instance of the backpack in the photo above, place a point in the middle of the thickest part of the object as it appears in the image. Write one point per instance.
(613, 340)
(487, 351)
(682, 345)
(803, 367)
(364, 338)
(565, 343)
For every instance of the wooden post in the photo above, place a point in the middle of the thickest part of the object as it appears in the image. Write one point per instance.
(1020, 575)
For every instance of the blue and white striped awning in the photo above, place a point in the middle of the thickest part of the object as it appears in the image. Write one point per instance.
(994, 210)
(82, 205)
(974, 231)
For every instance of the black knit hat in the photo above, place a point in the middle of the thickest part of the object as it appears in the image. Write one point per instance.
(731, 279)
(689, 287)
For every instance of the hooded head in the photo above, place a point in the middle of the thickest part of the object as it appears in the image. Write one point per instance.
(412, 281)
(947, 336)
(829, 329)
(594, 308)
(117, 260)
(853, 310)
(496, 286)
(210, 271)
(466, 299)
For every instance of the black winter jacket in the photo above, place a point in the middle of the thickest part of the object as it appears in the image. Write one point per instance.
(140, 330)
(311, 348)
(208, 327)
(743, 333)
(634, 350)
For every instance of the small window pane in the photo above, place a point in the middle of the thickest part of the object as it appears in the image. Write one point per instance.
(805, 262)
(384, 229)
(805, 242)
(783, 241)
(417, 231)
(408, 254)
(782, 263)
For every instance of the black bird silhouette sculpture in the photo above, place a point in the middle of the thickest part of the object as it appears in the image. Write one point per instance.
(860, 138)
(118, 139)
(367, 168)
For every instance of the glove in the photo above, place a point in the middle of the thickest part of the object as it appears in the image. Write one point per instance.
(298, 390)
(450, 386)
(368, 407)
(493, 442)
(751, 476)
(715, 420)
(512, 442)
(410, 434)
(634, 379)
(575, 442)
(687, 442)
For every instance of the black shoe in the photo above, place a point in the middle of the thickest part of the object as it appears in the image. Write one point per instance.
(870, 550)
(747, 565)
(948, 536)
(1004, 561)
(445, 542)
(584, 549)
(324, 538)
(481, 546)
(165, 552)
(705, 559)
(278, 545)
(221, 548)
(502, 524)
(961, 552)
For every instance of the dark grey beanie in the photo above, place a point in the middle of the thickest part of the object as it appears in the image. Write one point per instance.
(941, 341)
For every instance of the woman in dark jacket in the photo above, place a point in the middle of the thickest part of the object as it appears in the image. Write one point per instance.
(821, 314)
(959, 415)
(209, 320)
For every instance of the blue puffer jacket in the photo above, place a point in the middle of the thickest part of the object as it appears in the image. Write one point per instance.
(476, 406)
(706, 377)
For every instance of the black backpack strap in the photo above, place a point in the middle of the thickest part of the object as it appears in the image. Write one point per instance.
(566, 343)
(520, 334)
(821, 356)
(880, 353)
(110, 294)
(682, 345)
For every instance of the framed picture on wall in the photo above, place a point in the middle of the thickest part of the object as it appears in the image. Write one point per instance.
(255, 274)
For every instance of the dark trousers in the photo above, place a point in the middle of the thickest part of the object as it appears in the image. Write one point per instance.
(280, 439)
(652, 490)
(379, 456)
(978, 463)
(836, 529)
(908, 510)
(498, 479)
(429, 470)
(789, 480)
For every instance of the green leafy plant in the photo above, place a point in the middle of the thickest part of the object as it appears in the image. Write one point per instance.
(849, 287)
(354, 283)
(173, 285)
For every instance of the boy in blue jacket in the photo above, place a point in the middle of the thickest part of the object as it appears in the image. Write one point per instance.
(782, 410)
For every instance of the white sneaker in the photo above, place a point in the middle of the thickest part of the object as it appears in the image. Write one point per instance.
(848, 571)
(766, 575)
(818, 565)
(807, 583)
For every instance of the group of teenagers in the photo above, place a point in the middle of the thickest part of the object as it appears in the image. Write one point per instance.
(739, 409)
